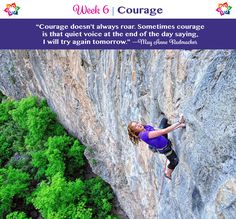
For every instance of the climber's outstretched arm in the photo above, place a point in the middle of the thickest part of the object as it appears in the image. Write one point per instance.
(179, 124)
(159, 132)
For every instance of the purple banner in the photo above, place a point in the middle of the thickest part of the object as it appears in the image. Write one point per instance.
(118, 34)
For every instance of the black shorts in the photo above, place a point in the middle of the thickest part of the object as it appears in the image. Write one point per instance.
(170, 155)
(173, 158)
(169, 152)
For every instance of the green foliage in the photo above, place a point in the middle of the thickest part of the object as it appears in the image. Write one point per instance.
(41, 125)
(43, 168)
(17, 215)
(13, 183)
(5, 108)
(55, 162)
(82, 212)
(38, 125)
(100, 196)
(62, 143)
(77, 153)
(61, 199)
(6, 141)
(7, 130)
(37, 120)
(20, 113)
(112, 217)
(76, 159)
(11, 139)
(40, 162)
(62, 152)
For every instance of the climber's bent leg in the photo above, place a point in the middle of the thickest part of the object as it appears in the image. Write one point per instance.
(164, 124)
(174, 160)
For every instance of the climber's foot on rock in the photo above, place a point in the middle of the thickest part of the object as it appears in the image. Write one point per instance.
(167, 176)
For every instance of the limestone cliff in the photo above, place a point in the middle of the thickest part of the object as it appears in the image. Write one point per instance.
(96, 93)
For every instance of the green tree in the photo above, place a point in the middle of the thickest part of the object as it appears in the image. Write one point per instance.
(51, 160)
(43, 167)
(75, 160)
(11, 140)
(38, 120)
(20, 113)
(11, 136)
(17, 215)
(6, 125)
(5, 108)
(13, 183)
(61, 199)
(100, 196)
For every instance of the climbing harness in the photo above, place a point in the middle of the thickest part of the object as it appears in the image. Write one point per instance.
(162, 150)
(169, 153)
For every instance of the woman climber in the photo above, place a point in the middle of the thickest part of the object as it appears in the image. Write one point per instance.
(157, 139)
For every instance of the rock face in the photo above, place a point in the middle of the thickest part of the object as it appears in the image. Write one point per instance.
(96, 93)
